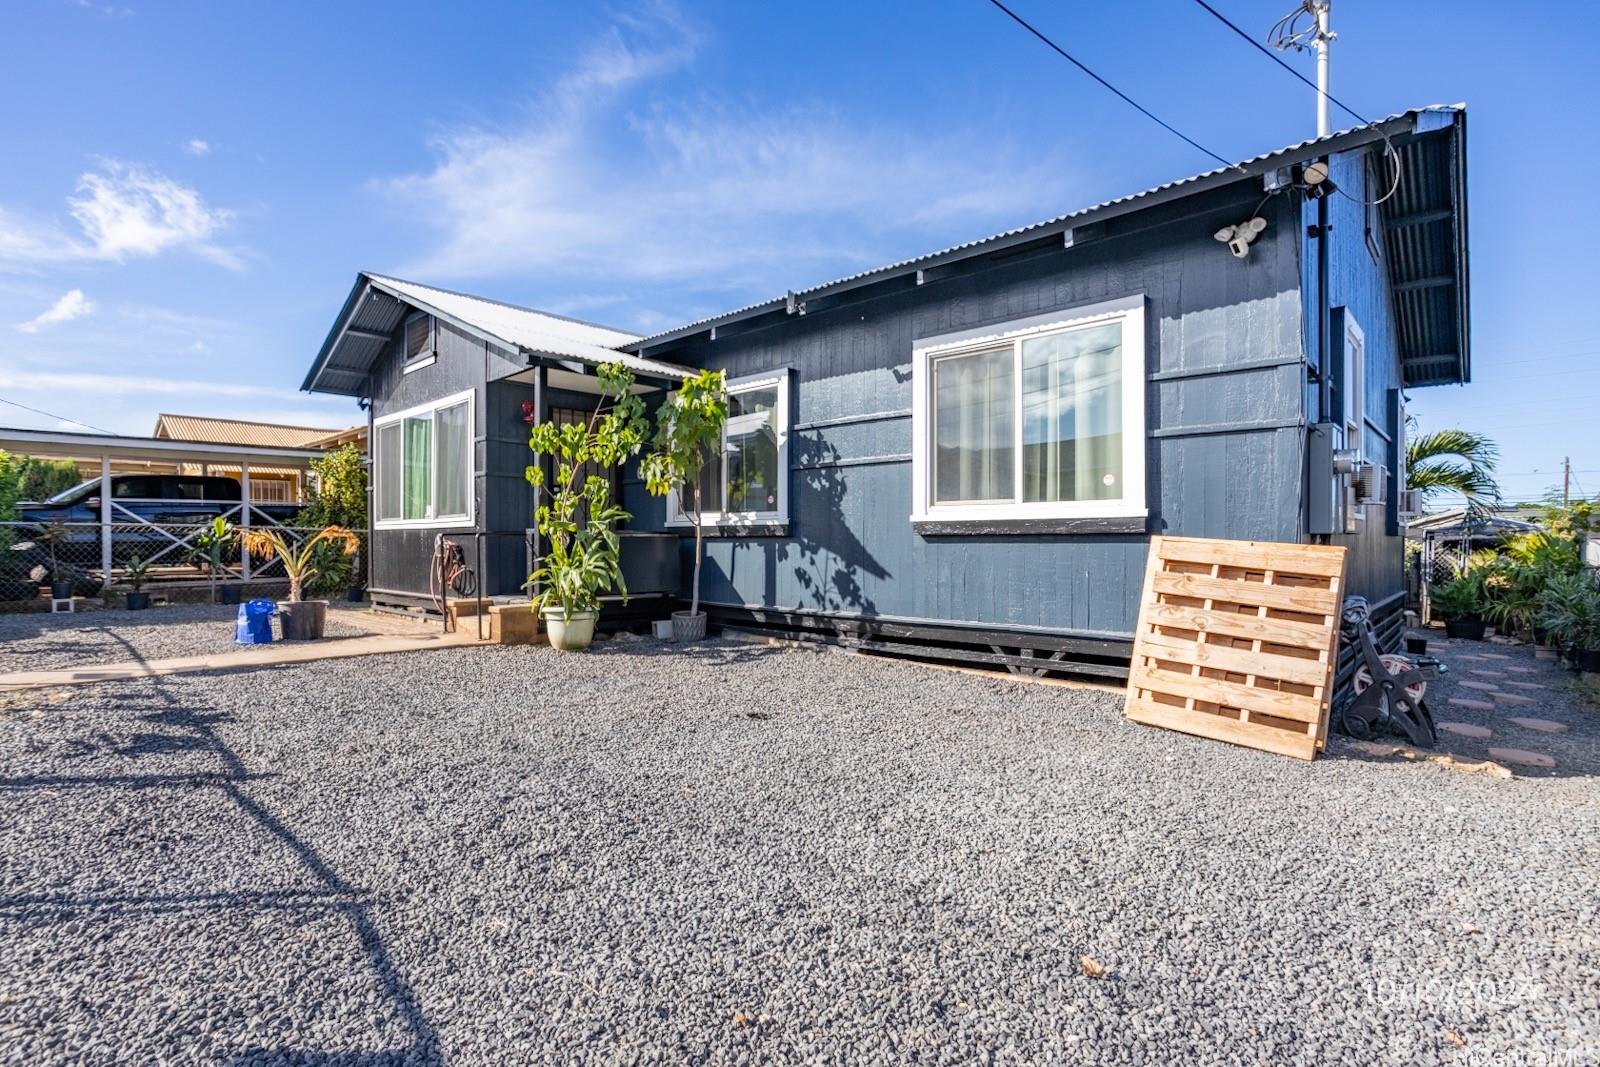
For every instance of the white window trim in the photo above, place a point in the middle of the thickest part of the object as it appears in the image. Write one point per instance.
(1355, 392)
(678, 518)
(428, 408)
(427, 355)
(1130, 312)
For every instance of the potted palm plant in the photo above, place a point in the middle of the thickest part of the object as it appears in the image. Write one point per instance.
(302, 620)
(1460, 603)
(137, 570)
(576, 516)
(688, 432)
(210, 544)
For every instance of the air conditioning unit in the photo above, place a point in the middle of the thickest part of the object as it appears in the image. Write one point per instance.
(1370, 482)
(1411, 502)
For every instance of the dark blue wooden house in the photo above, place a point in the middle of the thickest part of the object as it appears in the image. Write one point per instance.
(963, 455)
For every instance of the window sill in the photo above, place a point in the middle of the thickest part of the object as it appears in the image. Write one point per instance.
(732, 529)
(418, 363)
(1082, 525)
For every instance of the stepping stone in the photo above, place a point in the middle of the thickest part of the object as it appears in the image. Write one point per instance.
(1546, 655)
(1521, 757)
(1524, 670)
(1487, 674)
(1465, 729)
(1482, 687)
(1514, 698)
(1494, 655)
(1529, 685)
(1476, 659)
(1475, 705)
(1544, 726)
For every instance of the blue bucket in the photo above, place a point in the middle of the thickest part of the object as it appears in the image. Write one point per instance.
(255, 622)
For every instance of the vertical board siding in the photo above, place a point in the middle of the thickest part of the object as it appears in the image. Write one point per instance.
(1359, 282)
(401, 559)
(851, 548)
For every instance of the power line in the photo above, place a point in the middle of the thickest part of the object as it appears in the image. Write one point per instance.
(58, 418)
(1264, 50)
(1146, 112)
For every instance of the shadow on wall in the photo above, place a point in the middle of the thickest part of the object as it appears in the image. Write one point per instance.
(829, 560)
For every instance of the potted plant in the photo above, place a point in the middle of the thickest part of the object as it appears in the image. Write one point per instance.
(1569, 608)
(576, 517)
(209, 545)
(303, 620)
(136, 570)
(52, 535)
(688, 432)
(1460, 603)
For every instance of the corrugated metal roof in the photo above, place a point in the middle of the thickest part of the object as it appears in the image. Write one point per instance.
(1424, 233)
(1391, 125)
(212, 430)
(378, 305)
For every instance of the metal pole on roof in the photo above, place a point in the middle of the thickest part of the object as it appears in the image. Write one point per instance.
(1324, 38)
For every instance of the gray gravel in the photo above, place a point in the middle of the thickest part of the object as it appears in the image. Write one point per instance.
(1513, 669)
(38, 641)
(748, 855)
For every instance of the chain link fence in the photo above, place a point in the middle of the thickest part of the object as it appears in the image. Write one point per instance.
(33, 557)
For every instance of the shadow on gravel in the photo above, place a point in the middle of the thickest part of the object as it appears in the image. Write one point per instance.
(196, 731)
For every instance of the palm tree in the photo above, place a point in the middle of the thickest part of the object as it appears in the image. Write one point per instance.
(1452, 461)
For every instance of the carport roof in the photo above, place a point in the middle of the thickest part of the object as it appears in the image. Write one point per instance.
(378, 304)
(67, 445)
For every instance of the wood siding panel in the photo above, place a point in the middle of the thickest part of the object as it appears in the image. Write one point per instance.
(851, 549)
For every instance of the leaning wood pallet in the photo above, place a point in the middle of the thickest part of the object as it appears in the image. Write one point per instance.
(1237, 641)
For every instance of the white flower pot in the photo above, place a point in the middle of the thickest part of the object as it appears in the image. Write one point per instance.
(571, 633)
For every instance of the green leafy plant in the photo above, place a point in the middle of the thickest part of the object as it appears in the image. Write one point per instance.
(575, 514)
(330, 569)
(209, 546)
(299, 559)
(339, 494)
(1459, 598)
(688, 433)
(138, 572)
(1452, 461)
(1569, 608)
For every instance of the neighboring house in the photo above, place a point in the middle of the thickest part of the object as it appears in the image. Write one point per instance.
(964, 455)
(268, 485)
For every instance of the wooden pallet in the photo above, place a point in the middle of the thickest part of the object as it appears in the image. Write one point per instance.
(1237, 641)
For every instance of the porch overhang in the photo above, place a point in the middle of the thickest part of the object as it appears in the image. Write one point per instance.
(1425, 245)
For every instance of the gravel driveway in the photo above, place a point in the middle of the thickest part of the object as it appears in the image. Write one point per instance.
(750, 855)
(37, 641)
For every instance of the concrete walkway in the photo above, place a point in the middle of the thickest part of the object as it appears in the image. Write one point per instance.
(402, 636)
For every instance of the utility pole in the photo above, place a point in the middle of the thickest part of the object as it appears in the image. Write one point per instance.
(1292, 32)
(1323, 39)
(1566, 480)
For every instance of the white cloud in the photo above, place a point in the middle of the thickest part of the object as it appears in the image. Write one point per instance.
(197, 147)
(593, 186)
(128, 211)
(51, 381)
(72, 305)
(123, 212)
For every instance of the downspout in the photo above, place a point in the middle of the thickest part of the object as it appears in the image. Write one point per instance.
(1324, 318)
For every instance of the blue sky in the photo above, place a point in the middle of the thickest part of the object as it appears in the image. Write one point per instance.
(189, 188)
